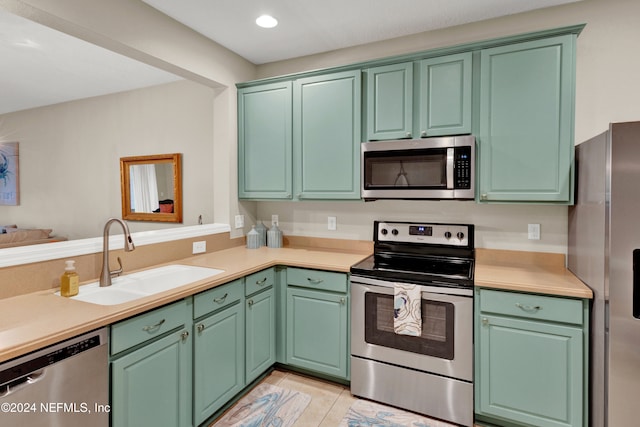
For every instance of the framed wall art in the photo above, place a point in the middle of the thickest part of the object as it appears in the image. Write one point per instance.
(9, 174)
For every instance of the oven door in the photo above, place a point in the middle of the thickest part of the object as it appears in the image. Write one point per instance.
(445, 346)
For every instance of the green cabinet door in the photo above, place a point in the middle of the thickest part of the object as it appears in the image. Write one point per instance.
(389, 101)
(260, 310)
(444, 103)
(317, 331)
(529, 372)
(264, 141)
(525, 144)
(152, 385)
(326, 136)
(218, 362)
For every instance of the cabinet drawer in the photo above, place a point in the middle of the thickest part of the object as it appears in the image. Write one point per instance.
(146, 326)
(530, 306)
(258, 281)
(316, 279)
(217, 298)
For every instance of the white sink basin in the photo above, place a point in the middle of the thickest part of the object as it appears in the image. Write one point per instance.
(143, 283)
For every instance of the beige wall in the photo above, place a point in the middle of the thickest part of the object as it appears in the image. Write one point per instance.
(70, 152)
(607, 91)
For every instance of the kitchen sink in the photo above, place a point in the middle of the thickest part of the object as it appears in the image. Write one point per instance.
(143, 283)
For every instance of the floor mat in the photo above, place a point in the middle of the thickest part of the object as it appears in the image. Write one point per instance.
(364, 413)
(266, 406)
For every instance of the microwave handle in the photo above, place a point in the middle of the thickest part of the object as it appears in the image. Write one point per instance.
(450, 159)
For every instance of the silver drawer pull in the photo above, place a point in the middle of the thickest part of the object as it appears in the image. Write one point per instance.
(261, 282)
(343, 300)
(250, 302)
(528, 308)
(221, 299)
(200, 327)
(314, 281)
(485, 321)
(152, 327)
(184, 336)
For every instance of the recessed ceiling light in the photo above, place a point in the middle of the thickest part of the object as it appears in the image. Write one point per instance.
(266, 21)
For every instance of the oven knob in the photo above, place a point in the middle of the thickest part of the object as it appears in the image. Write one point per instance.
(384, 231)
(447, 235)
(394, 232)
(460, 235)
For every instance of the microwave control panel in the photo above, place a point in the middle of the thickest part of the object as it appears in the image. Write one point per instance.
(462, 168)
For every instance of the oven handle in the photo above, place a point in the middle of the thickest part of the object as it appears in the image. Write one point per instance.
(359, 288)
(466, 292)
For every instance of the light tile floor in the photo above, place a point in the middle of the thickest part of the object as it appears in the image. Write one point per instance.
(329, 401)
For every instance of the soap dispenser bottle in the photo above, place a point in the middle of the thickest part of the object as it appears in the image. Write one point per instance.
(70, 280)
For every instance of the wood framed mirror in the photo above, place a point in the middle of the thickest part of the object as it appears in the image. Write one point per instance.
(151, 188)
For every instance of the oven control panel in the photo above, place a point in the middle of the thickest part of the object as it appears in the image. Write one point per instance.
(426, 233)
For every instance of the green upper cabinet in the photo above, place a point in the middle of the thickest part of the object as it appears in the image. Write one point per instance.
(264, 141)
(444, 103)
(439, 103)
(389, 101)
(525, 143)
(326, 136)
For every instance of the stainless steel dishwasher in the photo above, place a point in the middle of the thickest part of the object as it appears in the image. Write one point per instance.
(66, 384)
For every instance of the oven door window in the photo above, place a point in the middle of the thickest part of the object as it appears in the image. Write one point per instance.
(416, 169)
(437, 327)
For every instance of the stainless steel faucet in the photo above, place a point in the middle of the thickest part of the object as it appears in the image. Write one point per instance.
(105, 275)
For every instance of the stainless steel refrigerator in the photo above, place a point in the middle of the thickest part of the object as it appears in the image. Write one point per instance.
(604, 252)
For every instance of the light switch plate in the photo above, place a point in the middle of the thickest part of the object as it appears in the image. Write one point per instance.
(199, 247)
(534, 232)
(331, 223)
(239, 221)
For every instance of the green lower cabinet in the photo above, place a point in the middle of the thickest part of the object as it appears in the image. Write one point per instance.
(260, 330)
(530, 369)
(317, 331)
(218, 365)
(151, 386)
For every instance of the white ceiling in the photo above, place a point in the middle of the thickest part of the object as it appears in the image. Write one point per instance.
(41, 66)
(312, 26)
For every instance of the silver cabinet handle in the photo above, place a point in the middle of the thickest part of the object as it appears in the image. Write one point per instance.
(152, 327)
(485, 321)
(423, 133)
(484, 196)
(184, 335)
(200, 327)
(343, 300)
(314, 281)
(261, 282)
(528, 308)
(221, 299)
(408, 135)
(250, 302)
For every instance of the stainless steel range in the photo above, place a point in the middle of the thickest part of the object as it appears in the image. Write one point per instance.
(430, 373)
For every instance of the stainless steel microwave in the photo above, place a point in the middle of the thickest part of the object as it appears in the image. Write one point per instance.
(429, 168)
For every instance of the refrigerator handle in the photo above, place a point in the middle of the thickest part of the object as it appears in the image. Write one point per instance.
(636, 283)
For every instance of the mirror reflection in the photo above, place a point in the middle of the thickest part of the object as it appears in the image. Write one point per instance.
(151, 188)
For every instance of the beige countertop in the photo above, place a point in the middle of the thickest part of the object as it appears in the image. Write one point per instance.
(32, 321)
(35, 320)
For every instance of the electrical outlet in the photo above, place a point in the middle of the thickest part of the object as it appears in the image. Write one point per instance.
(199, 247)
(332, 223)
(239, 221)
(534, 232)
(274, 220)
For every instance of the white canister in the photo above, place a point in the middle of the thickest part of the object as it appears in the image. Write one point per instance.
(274, 237)
(253, 238)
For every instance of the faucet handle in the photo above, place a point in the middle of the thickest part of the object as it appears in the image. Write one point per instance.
(115, 273)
